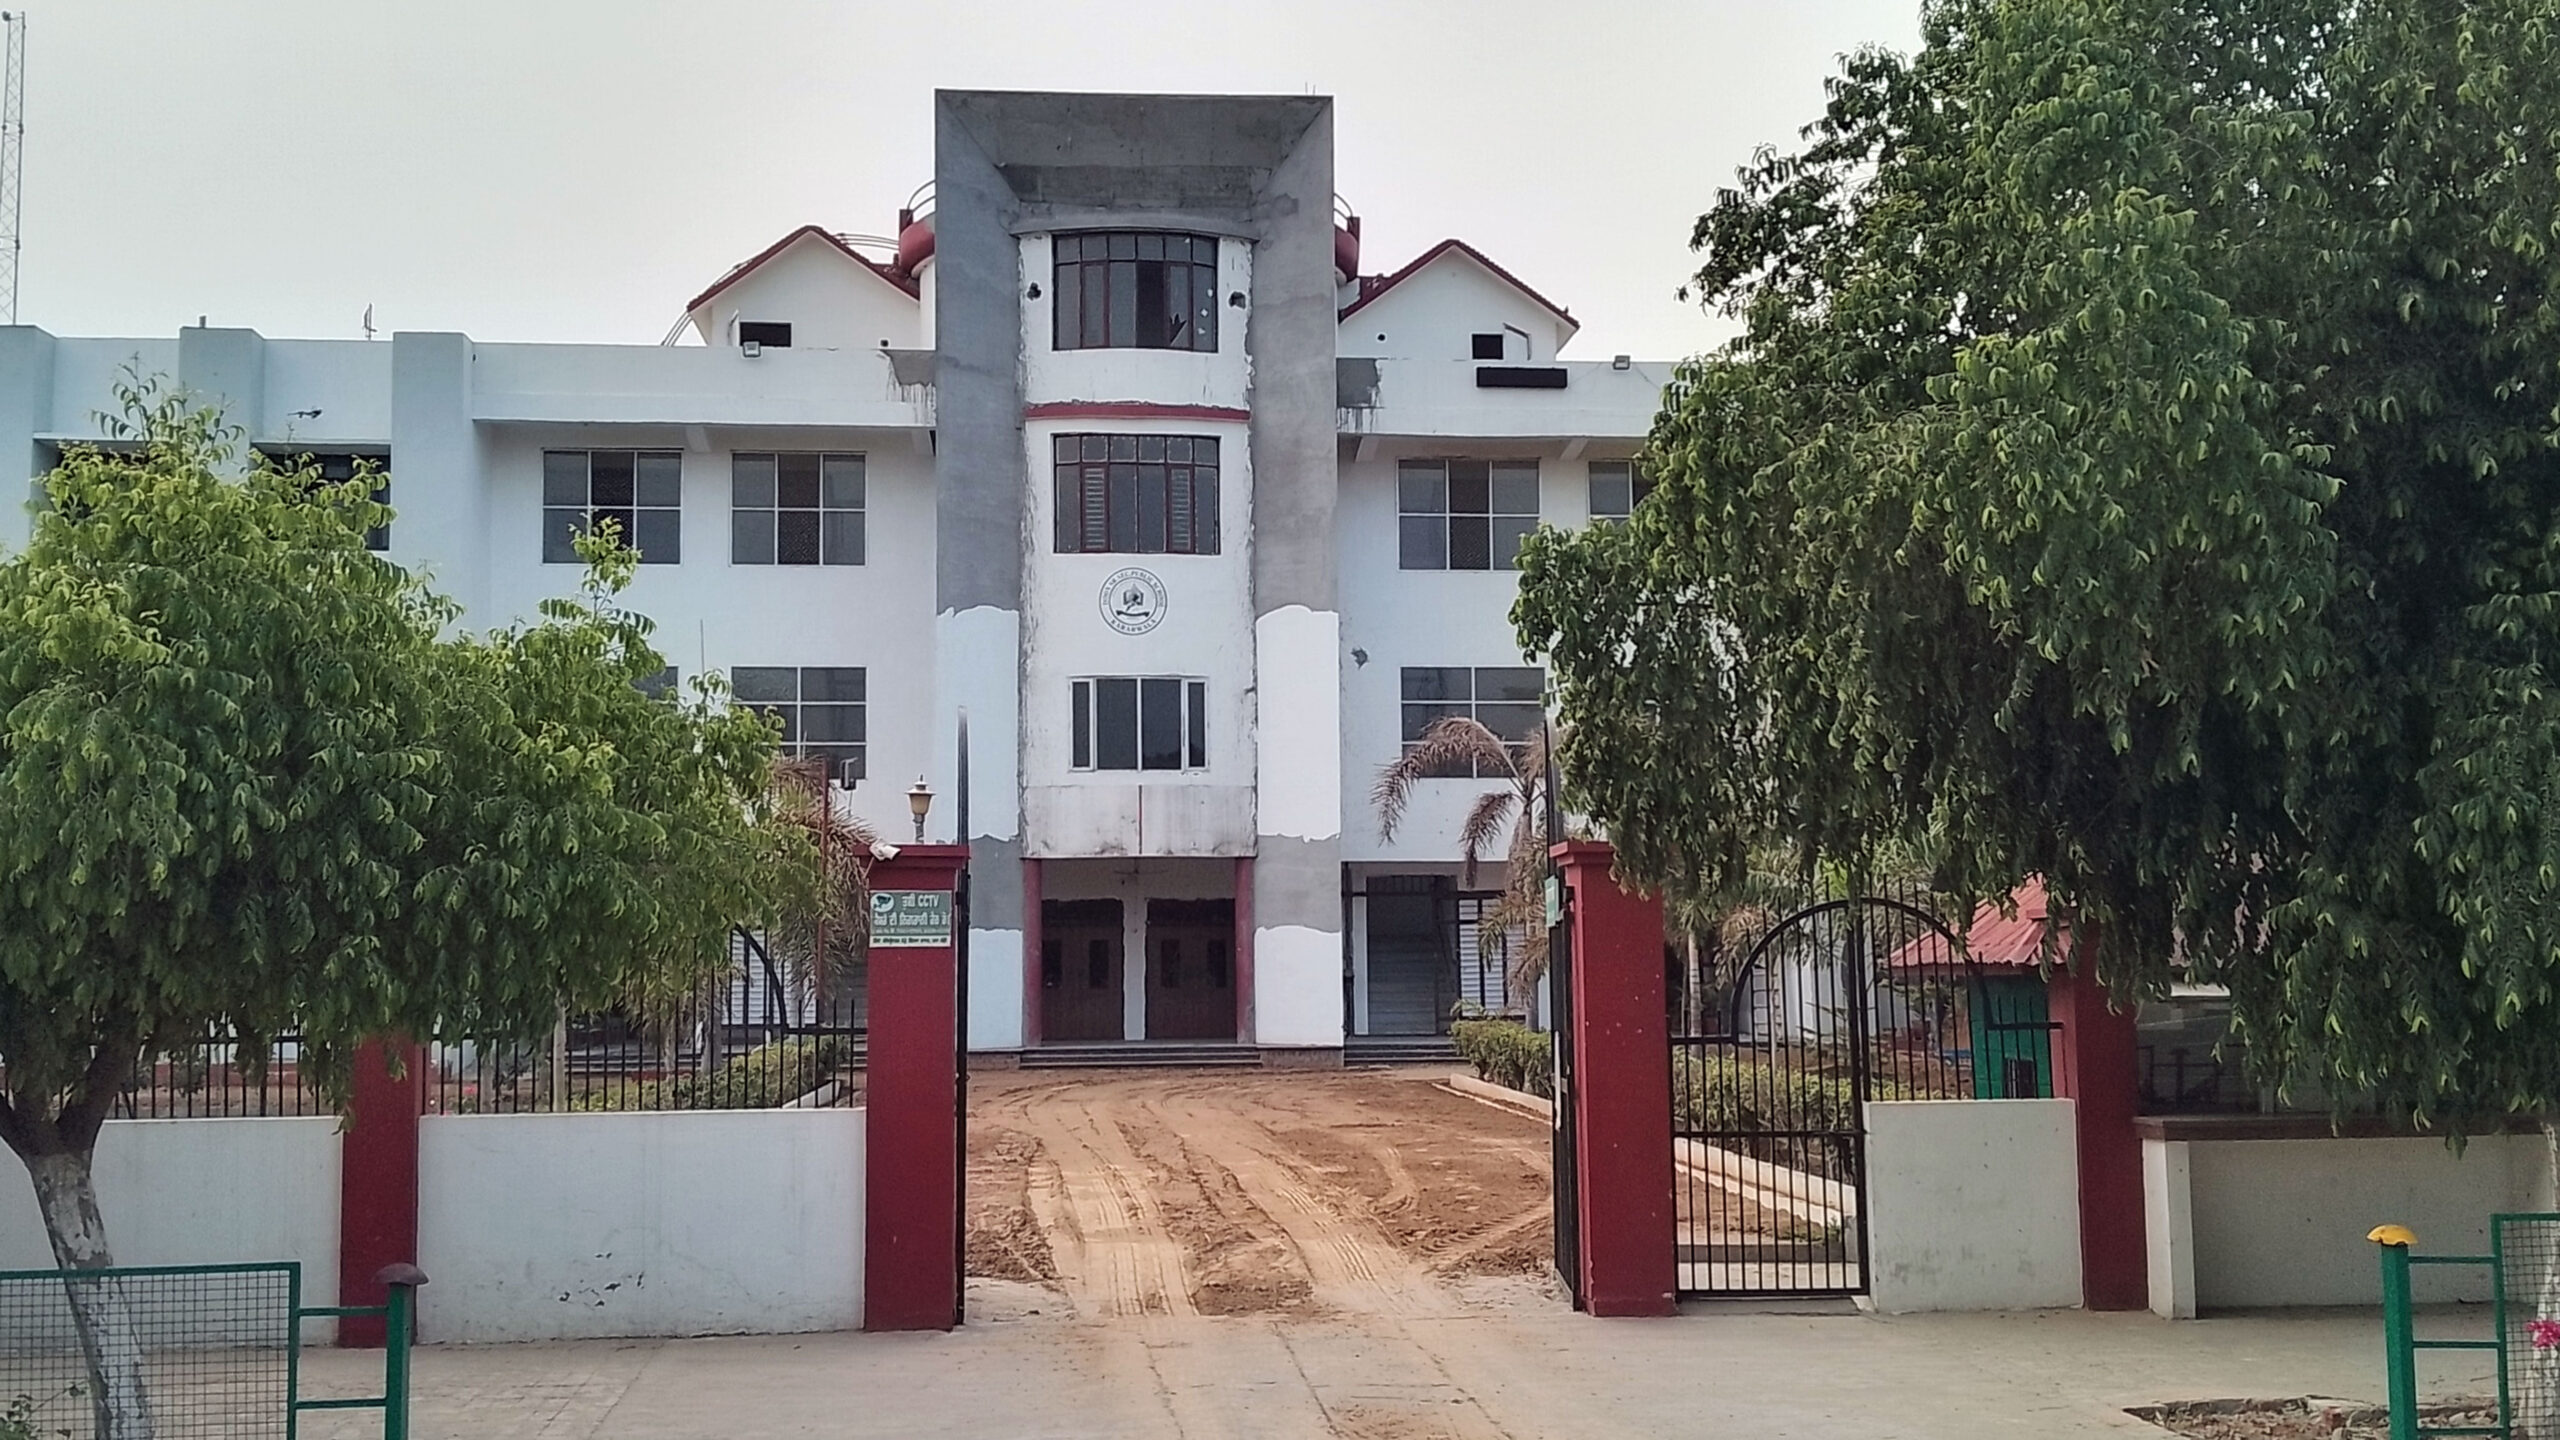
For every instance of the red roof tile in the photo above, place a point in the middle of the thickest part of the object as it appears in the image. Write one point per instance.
(743, 268)
(1993, 939)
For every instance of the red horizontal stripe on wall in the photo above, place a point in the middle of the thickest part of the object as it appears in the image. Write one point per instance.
(1131, 410)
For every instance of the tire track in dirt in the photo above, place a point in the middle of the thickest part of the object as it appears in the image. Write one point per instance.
(1168, 1193)
(1118, 1257)
(1352, 1265)
(1520, 1224)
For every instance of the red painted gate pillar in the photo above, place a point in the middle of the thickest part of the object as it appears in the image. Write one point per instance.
(378, 1180)
(2096, 1069)
(1621, 1095)
(911, 1099)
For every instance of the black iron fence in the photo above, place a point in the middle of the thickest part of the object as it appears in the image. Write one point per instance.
(771, 1031)
(221, 1075)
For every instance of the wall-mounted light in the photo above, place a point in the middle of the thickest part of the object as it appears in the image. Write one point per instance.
(919, 805)
(751, 348)
(1621, 362)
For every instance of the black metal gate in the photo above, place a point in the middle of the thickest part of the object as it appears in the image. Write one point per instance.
(1779, 1042)
(1564, 1157)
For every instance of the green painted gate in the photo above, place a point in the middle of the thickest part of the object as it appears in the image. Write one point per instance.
(210, 1351)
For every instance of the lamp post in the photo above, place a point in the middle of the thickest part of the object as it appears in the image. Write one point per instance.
(920, 804)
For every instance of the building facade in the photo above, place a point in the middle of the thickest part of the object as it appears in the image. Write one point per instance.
(1115, 450)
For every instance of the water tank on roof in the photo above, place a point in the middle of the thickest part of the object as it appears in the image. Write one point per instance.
(1346, 247)
(915, 241)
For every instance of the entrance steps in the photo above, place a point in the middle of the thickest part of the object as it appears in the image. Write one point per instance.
(1143, 1055)
(1398, 1050)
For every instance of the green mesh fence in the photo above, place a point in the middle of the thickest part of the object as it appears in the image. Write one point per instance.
(2528, 1253)
(208, 1351)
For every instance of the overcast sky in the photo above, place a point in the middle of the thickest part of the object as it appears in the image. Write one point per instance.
(575, 170)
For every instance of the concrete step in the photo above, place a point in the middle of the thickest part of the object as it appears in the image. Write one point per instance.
(1398, 1050)
(1142, 1054)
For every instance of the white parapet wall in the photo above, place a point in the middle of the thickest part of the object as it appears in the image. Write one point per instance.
(203, 1192)
(549, 1227)
(2247, 1223)
(1972, 1205)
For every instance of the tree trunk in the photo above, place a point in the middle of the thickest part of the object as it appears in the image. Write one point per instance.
(559, 1087)
(2539, 1363)
(1696, 1018)
(109, 1345)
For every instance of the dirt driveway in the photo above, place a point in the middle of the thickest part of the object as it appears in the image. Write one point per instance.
(1219, 1193)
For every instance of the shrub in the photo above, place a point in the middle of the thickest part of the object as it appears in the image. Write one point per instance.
(1734, 1096)
(1508, 1053)
(770, 1075)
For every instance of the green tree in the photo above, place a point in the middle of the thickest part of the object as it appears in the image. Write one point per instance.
(2137, 468)
(1455, 746)
(248, 782)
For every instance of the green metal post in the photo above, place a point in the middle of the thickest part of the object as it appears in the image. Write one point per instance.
(2399, 1332)
(395, 1361)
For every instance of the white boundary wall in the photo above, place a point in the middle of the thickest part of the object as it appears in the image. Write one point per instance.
(203, 1192)
(2246, 1223)
(1972, 1205)
(547, 1227)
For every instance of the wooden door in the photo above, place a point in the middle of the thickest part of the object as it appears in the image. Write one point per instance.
(1081, 970)
(1191, 992)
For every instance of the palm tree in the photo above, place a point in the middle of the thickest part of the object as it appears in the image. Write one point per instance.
(835, 924)
(1459, 745)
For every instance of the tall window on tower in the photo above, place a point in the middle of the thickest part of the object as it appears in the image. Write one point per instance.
(1135, 289)
(1137, 494)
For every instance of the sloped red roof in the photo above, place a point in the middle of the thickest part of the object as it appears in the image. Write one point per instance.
(1373, 286)
(745, 267)
(1994, 939)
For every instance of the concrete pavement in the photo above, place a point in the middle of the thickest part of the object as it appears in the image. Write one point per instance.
(1502, 1361)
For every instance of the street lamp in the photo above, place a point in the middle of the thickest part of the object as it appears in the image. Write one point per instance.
(920, 804)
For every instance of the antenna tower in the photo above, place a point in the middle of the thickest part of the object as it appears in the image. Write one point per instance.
(13, 146)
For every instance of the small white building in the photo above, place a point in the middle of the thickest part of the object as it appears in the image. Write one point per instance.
(1118, 450)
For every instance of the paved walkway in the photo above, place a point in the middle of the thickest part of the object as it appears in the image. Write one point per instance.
(1500, 1359)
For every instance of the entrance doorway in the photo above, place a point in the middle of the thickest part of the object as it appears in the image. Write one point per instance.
(1080, 970)
(1191, 970)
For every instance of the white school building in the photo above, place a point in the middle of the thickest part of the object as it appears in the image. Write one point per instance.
(1117, 448)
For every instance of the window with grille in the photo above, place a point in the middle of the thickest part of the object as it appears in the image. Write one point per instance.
(1137, 494)
(1135, 289)
(641, 491)
(337, 468)
(1509, 700)
(796, 509)
(1464, 514)
(820, 706)
(1617, 487)
(1140, 723)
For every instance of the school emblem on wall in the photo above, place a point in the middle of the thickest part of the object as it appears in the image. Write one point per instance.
(1133, 601)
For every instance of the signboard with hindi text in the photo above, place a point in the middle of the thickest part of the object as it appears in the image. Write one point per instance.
(910, 919)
